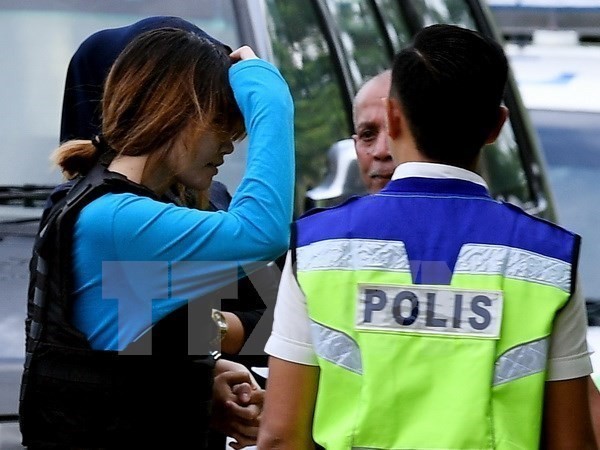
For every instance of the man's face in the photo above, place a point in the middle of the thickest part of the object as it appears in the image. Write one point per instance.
(374, 158)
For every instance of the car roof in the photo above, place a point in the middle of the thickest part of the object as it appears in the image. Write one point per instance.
(557, 76)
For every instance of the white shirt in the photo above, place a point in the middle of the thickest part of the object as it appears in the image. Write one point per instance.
(290, 339)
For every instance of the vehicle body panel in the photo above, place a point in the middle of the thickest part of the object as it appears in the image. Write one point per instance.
(559, 85)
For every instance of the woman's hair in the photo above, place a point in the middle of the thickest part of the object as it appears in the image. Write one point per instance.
(165, 82)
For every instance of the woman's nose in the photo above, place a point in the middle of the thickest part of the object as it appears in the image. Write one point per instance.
(227, 148)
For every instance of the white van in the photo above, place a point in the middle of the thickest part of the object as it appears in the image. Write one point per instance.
(559, 81)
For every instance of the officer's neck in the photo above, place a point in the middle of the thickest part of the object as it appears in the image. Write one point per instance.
(410, 153)
(407, 151)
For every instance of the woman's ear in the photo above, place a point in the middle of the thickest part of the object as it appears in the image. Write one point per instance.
(502, 116)
(393, 117)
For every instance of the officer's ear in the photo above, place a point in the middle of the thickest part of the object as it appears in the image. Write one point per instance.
(393, 117)
(502, 116)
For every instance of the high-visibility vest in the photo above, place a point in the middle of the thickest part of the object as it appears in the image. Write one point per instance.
(431, 308)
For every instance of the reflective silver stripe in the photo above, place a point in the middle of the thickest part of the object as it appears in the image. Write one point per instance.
(514, 263)
(35, 329)
(353, 254)
(38, 297)
(42, 267)
(336, 347)
(521, 361)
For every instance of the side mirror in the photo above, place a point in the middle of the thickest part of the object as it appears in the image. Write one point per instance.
(342, 179)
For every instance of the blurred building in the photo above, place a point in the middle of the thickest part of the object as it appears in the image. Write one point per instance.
(519, 19)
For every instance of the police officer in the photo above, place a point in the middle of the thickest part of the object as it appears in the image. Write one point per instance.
(431, 315)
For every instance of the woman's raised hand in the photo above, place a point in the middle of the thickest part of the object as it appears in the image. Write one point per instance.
(242, 53)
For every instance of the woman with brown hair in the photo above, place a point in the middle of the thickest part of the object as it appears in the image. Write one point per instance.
(80, 119)
(111, 360)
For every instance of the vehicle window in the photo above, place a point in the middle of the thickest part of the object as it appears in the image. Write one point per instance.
(304, 58)
(33, 69)
(445, 11)
(502, 167)
(395, 25)
(361, 38)
(557, 84)
(502, 163)
(571, 143)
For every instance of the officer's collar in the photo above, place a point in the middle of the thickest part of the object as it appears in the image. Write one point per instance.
(435, 170)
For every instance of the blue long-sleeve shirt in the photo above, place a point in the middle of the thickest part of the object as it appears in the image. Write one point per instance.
(136, 259)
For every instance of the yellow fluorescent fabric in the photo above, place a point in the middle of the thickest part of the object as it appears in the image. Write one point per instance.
(419, 391)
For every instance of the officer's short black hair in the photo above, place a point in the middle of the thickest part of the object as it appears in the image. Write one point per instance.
(450, 83)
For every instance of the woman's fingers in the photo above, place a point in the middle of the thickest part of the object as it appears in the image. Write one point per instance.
(242, 53)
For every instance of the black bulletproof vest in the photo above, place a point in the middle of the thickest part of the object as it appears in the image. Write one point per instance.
(152, 394)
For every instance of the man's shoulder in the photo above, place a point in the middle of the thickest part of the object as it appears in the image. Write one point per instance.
(326, 223)
(536, 220)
